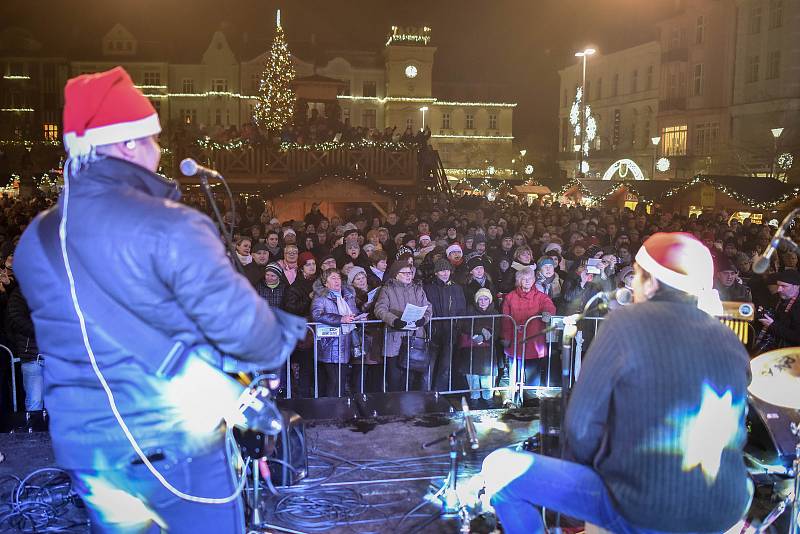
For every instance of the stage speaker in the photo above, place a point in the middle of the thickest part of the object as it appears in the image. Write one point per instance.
(769, 430)
(408, 403)
(550, 424)
(288, 461)
(337, 408)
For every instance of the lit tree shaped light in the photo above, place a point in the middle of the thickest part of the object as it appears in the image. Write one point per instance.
(276, 99)
(575, 121)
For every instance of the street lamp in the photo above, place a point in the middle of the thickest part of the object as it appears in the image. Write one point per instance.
(655, 140)
(583, 55)
(776, 133)
(423, 109)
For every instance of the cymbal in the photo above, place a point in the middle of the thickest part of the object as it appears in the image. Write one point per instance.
(776, 377)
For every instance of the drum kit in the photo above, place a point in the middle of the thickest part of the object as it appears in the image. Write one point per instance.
(773, 446)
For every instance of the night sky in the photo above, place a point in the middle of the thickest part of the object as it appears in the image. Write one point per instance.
(519, 44)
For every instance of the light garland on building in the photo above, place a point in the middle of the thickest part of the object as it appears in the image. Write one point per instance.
(785, 161)
(16, 77)
(701, 179)
(456, 136)
(150, 86)
(430, 100)
(354, 145)
(404, 36)
(29, 143)
(17, 110)
(275, 107)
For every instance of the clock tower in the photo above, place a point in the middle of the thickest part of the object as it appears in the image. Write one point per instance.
(408, 59)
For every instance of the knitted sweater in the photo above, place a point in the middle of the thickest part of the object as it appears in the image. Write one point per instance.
(635, 416)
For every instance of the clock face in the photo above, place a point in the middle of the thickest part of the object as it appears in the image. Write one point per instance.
(411, 71)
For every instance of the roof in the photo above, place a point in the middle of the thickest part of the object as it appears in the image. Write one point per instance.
(313, 176)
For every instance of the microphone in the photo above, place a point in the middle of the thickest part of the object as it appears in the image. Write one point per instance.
(762, 262)
(469, 426)
(622, 295)
(190, 167)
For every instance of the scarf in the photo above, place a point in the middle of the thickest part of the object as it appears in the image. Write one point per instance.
(344, 309)
(245, 259)
(377, 273)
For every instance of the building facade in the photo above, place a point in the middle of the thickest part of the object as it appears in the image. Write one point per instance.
(622, 92)
(377, 89)
(726, 75)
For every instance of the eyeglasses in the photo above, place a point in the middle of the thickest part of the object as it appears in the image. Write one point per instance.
(405, 272)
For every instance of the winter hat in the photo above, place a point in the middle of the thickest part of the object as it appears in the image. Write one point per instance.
(408, 238)
(105, 108)
(304, 257)
(349, 231)
(483, 292)
(442, 265)
(369, 248)
(353, 272)
(289, 231)
(724, 263)
(623, 273)
(475, 261)
(453, 248)
(274, 268)
(403, 250)
(258, 247)
(553, 246)
(681, 261)
(545, 260)
(424, 238)
(787, 277)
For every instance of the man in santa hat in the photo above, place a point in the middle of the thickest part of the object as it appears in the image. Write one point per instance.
(656, 422)
(114, 274)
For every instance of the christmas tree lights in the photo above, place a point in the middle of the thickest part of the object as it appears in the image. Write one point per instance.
(276, 99)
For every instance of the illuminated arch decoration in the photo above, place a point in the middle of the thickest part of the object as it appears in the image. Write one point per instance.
(622, 167)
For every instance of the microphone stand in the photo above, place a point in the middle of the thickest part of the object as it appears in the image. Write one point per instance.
(447, 495)
(226, 235)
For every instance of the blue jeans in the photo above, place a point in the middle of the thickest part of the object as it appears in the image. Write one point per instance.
(130, 500)
(33, 382)
(482, 382)
(519, 482)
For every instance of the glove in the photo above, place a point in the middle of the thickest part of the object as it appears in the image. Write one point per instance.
(546, 317)
(486, 334)
(399, 324)
(478, 338)
(419, 323)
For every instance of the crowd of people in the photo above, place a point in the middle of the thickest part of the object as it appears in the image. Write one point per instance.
(316, 128)
(489, 260)
(512, 260)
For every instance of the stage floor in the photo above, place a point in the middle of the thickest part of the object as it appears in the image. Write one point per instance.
(381, 471)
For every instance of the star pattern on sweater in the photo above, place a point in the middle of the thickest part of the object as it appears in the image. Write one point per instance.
(700, 435)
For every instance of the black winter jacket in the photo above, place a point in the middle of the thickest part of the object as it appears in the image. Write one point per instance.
(20, 327)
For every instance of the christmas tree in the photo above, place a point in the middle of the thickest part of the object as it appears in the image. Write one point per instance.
(276, 99)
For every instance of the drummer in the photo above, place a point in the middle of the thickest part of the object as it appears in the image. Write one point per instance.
(785, 327)
(655, 424)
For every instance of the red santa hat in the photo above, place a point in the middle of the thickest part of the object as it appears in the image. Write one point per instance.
(681, 261)
(105, 108)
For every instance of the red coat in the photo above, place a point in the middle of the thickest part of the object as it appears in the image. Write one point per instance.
(522, 306)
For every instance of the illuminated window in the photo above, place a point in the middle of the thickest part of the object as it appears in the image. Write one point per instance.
(51, 132)
(445, 121)
(774, 65)
(492, 121)
(673, 140)
(188, 85)
(188, 116)
(470, 120)
(219, 85)
(152, 78)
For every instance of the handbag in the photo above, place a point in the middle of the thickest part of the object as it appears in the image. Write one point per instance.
(415, 353)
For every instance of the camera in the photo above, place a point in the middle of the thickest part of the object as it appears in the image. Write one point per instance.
(593, 266)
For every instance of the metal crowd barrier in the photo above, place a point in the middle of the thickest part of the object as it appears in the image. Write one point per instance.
(369, 369)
